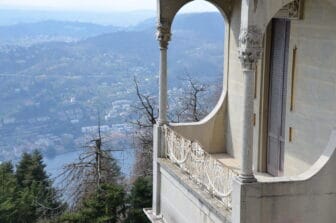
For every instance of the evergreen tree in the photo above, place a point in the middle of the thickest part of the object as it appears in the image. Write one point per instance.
(106, 205)
(47, 199)
(22, 170)
(139, 198)
(8, 188)
(32, 194)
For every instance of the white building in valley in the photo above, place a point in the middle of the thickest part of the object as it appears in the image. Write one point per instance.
(266, 154)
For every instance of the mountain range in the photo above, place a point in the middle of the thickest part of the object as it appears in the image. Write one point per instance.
(9, 16)
(55, 75)
(196, 47)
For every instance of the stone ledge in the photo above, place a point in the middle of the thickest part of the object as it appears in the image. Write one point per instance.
(153, 218)
(215, 206)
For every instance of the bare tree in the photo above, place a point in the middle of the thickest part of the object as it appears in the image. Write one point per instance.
(192, 107)
(147, 113)
(147, 107)
(94, 167)
(189, 108)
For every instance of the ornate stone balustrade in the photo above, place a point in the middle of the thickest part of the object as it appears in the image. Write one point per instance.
(207, 172)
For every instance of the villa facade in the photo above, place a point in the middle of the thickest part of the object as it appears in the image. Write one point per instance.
(266, 153)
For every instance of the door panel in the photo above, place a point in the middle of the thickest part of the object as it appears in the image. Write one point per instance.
(277, 96)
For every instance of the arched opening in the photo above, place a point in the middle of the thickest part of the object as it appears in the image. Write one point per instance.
(196, 61)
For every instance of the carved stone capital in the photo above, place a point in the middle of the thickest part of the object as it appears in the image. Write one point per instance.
(163, 34)
(250, 47)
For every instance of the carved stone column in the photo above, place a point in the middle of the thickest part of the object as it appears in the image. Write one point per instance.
(163, 36)
(250, 49)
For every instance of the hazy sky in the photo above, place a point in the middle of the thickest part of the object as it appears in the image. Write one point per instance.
(97, 5)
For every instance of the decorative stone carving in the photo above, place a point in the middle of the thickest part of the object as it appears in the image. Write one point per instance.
(292, 10)
(163, 34)
(250, 46)
(207, 172)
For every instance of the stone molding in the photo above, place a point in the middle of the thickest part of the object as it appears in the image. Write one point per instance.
(163, 34)
(250, 47)
(292, 10)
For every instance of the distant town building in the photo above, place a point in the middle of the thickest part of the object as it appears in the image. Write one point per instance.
(94, 129)
(7, 121)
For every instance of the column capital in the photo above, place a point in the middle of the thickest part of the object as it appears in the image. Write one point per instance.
(163, 34)
(250, 46)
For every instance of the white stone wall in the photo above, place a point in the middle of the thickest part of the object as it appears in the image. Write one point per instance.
(307, 198)
(179, 205)
(210, 131)
(235, 89)
(314, 114)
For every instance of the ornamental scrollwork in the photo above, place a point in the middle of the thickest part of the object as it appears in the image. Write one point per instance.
(207, 172)
(250, 46)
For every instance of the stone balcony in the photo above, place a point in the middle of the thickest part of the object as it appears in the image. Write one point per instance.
(212, 173)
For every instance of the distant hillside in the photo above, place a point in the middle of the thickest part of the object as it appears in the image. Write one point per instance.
(200, 23)
(15, 16)
(50, 90)
(46, 31)
(196, 46)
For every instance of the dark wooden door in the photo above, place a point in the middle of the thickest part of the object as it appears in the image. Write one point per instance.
(277, 96)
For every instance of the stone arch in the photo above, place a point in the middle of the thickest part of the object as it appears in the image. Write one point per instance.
(168, 9)
(222, 64)
(268, 10)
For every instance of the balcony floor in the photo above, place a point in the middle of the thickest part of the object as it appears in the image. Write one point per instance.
(227, 160)
(233, 164)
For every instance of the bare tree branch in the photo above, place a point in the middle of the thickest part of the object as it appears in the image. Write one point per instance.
(190, 108)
